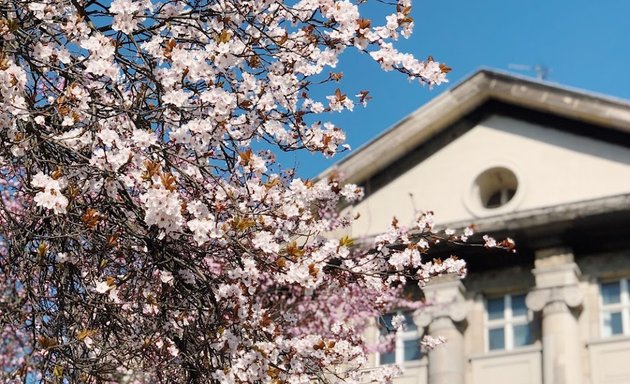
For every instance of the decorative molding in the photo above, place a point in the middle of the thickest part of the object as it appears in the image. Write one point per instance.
(447, 301)
(570, 295)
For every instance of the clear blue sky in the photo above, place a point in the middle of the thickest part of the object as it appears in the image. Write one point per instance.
(585, 44)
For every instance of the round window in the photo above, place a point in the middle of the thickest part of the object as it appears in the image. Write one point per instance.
(495, 187)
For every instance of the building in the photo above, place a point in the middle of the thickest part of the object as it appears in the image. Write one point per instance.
(546, 165)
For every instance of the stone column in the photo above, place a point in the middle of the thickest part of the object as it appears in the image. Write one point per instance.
(447, 362)
(558, 296)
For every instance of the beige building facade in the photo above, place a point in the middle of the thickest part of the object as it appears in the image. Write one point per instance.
(545, 165)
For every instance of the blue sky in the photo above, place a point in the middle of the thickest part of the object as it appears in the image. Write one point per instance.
(585, 44)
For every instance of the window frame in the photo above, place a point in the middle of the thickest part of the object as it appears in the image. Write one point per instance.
(623, 307)
(400, 338)
(503, 196)
(507, 322)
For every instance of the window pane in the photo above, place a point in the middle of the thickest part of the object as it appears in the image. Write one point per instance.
(496, 338)
(518, 306)
(522, 335)
(385, 323)
(412, 349)
(409, 323)
(611, 293)
(387, 358)
(612, 324)
(495, 308)
(500, 197)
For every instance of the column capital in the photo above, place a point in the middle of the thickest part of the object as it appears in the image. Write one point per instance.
(570, 295)
(445, 298)
(557, 277)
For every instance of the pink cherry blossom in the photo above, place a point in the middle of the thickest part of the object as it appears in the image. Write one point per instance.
(148, 233)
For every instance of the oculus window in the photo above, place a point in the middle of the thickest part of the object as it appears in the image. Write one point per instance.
(496, 187)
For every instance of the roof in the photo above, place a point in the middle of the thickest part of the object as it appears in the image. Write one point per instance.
(443, 112)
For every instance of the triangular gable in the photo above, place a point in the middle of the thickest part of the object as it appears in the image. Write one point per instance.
(563, 146)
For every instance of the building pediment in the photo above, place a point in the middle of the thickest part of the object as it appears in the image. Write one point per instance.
(493, 146)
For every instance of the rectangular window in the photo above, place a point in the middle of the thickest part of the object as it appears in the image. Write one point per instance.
(508, 323)
(615, 308)
(407, 341)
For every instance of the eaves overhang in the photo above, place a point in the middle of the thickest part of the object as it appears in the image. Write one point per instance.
(545, 217)
(591, 227)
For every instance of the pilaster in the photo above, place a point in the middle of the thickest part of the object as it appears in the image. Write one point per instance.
(443, 317)
(557, 296)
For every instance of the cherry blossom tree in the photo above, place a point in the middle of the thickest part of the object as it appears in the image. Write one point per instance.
(147, 233)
